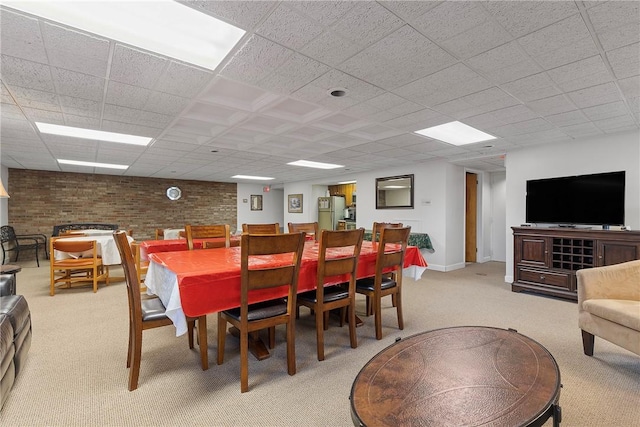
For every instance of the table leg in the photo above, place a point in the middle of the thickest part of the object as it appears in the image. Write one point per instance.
(257, 347)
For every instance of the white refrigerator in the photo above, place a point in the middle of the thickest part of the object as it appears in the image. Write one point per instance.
(330, 211)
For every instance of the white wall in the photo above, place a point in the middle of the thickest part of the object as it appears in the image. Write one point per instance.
(271, 212)
(605, 153)
(498, 216)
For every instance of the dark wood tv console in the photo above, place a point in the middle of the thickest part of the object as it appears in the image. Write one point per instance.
(546, 259)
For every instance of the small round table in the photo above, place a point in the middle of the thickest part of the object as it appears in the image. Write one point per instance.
(467, 375)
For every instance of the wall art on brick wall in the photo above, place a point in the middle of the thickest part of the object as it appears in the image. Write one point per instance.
(295, 203)
(256, 202)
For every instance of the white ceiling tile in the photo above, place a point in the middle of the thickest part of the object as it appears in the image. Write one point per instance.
(296, 72)
(132, 129)
(330, 48)
(80, 107)
(533, 87)
(601, 94)
(583, 48)
(81, 121)
(625, 61)
(435, 23)
(523, 17)
(324, 12)
(77, 51)
(165, 103)
(481, 38)
(268, 125)
(552, 105)
(36, 98)
(32, 75)
(367, 22)
(245, 15)
(508, 61)
(568, 118)
(126, 95)
(136, 67)
(617, 23)
(255, 59)
(582, 130)
(21, 37)
(237, 95)
(630, 87)
(78, 85)
(295, 110)
(555, 36)
(606, 111)
(289, 27)
(183, 80)
(214, 114)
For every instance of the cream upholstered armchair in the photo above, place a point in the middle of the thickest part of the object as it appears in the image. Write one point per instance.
(609, 305)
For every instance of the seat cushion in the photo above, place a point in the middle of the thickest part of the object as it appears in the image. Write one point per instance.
(261, 310)
(623, 312)
(331, 293)
(368, 283)
(153, 309)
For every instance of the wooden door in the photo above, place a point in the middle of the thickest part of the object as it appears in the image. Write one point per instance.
(471, 217)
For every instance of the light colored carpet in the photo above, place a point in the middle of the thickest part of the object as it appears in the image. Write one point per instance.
(75, 374)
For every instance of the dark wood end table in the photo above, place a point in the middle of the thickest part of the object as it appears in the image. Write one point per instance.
(468, 375)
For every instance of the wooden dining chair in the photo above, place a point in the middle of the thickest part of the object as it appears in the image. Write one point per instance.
(159, 233)
(311, 228)
(78, 267)
(337, 256)
(148, 314)
(377, 226)
(141, 266)
(261, 228)
(249, 318)
(207, 232)
(389, 259)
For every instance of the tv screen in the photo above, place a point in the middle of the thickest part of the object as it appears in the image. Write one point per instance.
(596, 199)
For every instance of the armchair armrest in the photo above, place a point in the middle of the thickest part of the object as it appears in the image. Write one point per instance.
(618, 281)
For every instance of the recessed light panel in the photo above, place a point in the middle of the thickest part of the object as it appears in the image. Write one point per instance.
(259, 178)
(92, 164)
(455, 133)
(162, 26)
(316, 165)
(98, 135)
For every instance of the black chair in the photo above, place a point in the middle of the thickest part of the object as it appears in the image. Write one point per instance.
(16, 242)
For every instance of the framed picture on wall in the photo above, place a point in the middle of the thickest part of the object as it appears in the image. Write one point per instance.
(256, 202)
(295, 203)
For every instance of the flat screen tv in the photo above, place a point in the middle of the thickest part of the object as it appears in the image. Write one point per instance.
(596, 199)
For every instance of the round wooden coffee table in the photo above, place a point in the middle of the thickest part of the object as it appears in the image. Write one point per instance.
(467, 375)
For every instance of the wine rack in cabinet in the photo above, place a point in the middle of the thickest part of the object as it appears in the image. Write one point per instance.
(546, 259)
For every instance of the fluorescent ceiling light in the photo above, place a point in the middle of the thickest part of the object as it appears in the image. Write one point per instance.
(162, 26)
(347, 182)
(92, 164)
(455, 133)
(92, 134)
(317, 165)
(260, 178)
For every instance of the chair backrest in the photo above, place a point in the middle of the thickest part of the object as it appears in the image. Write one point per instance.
(159, 233)
(391, 250)
(141, 267)
(255, 276)
(377, 226)
(332, 261)
(307, 227)
(7, 233)
(261, 228)
(73, 246)
(207, 232)
(130, 275)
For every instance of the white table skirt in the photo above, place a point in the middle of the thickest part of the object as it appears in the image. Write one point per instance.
(107, 248)
(163, 282)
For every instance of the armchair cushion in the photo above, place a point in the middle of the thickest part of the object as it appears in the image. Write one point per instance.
(623, 312)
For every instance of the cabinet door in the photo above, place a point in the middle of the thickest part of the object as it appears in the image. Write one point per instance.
(532, 250)
(616, 252)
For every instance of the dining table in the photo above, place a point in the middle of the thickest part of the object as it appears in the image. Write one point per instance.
(200, 282)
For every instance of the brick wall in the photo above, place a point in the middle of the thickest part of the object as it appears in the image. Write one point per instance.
(41, 199)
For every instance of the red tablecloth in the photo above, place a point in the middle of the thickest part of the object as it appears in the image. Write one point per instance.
(209, 280)
(153, 246)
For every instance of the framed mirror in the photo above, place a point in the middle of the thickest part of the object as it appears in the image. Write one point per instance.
(394, 192)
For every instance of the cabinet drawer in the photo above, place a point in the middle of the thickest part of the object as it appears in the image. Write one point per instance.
(544, 278)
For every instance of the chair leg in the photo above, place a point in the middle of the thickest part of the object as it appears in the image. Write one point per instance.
(130, 346)
(377, 312)
(202, 342)
(222, 336)
(271, 335)
(95, 279)
(136, 355)
(37, 258)
(398, 300)
(588, 341)
(320, 328)
(325, 320)
(190, 328)
(244, 361)
(352, 324)
(291, 346)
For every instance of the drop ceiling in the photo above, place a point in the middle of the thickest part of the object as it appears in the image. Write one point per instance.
(528, 72)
